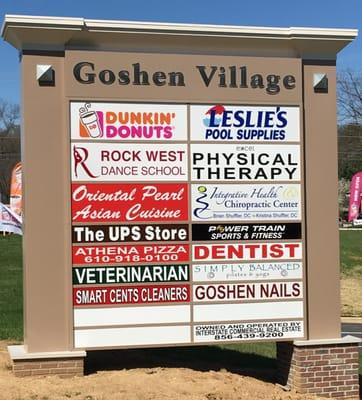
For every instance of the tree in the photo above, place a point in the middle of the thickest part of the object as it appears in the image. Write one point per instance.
(349, 150)
(9, 118)
(349, 89)
(343, 199)
(349, 100)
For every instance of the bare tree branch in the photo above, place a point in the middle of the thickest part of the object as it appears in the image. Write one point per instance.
(9, 118)
(349, 87)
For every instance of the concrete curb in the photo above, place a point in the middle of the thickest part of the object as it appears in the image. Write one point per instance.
(351, 320)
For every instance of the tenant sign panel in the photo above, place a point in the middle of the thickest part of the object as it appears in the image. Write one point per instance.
(187, 222)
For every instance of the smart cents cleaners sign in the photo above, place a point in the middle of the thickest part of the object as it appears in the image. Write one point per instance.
(186, 222)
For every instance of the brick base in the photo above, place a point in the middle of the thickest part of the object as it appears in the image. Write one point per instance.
(326, 370)
(45, 367)
(64, 364)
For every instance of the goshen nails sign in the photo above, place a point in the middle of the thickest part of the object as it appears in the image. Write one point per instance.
(169, 231)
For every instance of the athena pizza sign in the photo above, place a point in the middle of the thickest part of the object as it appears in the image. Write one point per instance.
(187, 223)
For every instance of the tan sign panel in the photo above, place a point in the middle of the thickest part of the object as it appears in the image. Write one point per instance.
(177, 185)
(180, 77)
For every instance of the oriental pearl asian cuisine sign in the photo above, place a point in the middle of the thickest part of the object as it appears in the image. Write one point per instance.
(186, 223)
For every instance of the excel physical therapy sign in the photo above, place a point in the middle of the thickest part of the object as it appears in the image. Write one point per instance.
(186, 199)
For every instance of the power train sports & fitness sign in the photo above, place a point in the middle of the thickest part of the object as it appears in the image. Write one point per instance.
(186, 221)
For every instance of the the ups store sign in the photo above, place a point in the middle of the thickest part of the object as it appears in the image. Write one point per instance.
(180, 183)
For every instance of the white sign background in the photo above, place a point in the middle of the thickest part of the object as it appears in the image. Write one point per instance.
(135, 158)
(221, 250)
(285, 291)
(248, 331)
(199, 121)
(219, 156)
(113, 326)
(247, 271)
(178, 122)
(246, 202)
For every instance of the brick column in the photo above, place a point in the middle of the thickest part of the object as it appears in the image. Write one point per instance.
(327, 368)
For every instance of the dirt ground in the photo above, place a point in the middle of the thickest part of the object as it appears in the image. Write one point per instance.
(157, 382)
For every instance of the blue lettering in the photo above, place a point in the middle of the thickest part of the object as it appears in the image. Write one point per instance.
(213, 119)
(226, 116)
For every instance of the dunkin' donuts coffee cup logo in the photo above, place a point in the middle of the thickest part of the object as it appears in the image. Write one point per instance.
(90, 122)
(117, 121)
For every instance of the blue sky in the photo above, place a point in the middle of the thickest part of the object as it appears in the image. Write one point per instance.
(283, 13)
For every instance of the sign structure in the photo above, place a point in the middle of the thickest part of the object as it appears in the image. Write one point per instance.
(187, 223)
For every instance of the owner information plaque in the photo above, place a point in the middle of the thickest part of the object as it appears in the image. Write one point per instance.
(186, 223)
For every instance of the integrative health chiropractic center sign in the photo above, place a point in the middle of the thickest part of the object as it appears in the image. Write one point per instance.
(186, 223)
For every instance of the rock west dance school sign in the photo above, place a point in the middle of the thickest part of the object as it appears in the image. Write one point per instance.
(186, 218)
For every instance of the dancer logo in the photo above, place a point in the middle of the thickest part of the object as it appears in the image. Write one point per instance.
(80, 155)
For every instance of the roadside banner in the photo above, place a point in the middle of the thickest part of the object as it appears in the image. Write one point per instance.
(355, 196)
(16, 190)
(10, 221)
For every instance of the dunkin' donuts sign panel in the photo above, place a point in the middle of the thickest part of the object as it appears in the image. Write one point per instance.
(125, 122)
(178, 237)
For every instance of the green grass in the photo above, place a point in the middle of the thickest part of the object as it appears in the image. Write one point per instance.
(11, 288)
(267, 350)
(351, 253)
